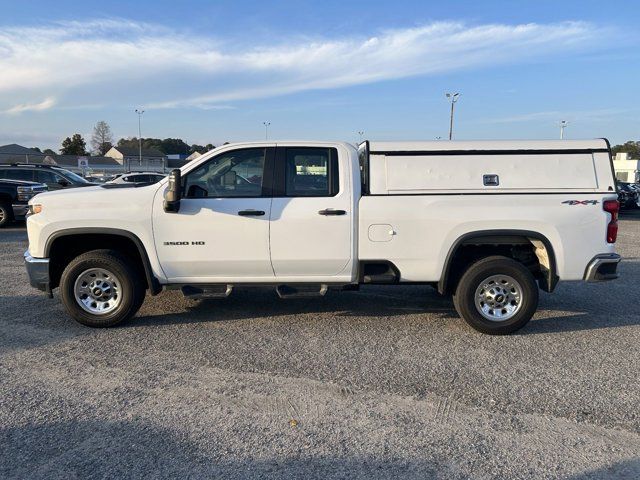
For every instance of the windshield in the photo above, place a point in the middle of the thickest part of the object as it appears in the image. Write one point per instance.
(74, 177)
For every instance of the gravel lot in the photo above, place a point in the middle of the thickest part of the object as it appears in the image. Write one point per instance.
(381, 383)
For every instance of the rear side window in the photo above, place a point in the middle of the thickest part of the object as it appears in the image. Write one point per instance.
(19, 174)
(311, 172)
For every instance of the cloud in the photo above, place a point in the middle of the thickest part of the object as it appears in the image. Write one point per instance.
(46, 104)
(120, 61)
(555, 116)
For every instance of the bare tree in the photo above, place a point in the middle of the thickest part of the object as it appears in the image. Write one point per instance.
(102, 138)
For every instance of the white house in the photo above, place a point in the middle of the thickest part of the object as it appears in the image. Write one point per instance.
(627, 169)
(134, 160)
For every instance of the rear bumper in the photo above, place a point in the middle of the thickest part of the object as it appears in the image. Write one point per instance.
(38, 271)
(602, 267)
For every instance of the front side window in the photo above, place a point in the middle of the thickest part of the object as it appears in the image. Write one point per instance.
(238, 173)
(311, 172)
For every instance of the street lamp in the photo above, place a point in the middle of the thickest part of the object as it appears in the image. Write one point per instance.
(360, 134)
(266, 130)
(563, 125)
(453, 98)
(139, 112)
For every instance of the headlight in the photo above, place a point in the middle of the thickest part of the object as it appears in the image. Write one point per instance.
(35, 208)
(25, 193)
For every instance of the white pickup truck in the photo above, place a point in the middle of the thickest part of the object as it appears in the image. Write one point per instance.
(489, 222)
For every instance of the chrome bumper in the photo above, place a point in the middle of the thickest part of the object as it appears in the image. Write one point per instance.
(38, 271)
(602, 267)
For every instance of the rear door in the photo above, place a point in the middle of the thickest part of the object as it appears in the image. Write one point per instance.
(311, 213)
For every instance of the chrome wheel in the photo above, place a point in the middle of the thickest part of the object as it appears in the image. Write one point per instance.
(97, 291)
(498, 298)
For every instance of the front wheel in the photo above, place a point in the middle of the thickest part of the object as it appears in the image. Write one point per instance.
(100, 288)
(6, 214)
(496, 295)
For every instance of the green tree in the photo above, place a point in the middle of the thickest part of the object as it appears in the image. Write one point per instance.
(74, 145)
(631, 147)
(200, 148)
(102, 138)
(48, 151)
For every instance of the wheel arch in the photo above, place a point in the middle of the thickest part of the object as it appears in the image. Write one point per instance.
(541, 244)
(102, 237)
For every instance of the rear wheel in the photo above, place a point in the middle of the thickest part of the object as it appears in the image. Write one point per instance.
(100, 288)
(6, 214)
(496, 295)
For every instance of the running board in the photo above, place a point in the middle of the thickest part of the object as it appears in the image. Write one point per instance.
(299, 291)
(207, 291)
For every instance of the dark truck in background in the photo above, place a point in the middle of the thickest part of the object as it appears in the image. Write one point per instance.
(14, 198)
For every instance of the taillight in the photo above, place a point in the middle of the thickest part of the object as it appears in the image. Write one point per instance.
(612, 207)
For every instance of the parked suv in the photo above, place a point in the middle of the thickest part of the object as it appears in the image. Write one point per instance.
(14, 195)
(628, 195)
(55, 178)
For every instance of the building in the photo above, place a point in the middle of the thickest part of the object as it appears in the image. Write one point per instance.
(132, 159)
(15, 153)
(627, 169)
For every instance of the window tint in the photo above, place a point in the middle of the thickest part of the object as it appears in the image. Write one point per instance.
(44, 176)
(20, 174)
(234, 174)
(311, 172)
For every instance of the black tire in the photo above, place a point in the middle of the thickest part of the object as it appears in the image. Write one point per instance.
(130, 284)
(6, 214)
(464, 298)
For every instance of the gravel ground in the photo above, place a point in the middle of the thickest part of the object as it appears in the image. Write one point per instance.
(382, 383)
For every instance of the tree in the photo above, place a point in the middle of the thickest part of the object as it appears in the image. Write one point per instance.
(48, 151)
(74, 145)
(102, 138)
(200, 148)
(630, 147)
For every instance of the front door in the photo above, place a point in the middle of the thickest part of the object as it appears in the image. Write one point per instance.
(311, 214)
(222, 229)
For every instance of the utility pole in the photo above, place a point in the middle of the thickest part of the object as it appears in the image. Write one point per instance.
(453, 98)
(563, 125)
(266, 130)
(360, 134)
(139, 112)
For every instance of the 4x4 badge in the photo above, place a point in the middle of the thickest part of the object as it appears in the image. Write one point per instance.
(581, 202)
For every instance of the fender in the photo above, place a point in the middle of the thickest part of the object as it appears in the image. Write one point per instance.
(152, 281)
(551, 280)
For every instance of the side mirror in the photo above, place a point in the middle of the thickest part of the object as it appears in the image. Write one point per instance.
(63, 183)
(173, 192)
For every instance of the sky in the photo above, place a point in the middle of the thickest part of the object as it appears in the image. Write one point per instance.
(215, 71)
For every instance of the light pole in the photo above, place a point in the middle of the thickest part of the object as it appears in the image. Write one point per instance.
(563, 125)
(360, 134)
(139, 112)
(453, 98)
(266, 130)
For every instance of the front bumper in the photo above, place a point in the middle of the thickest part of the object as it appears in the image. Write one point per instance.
(602, 267)
(20, 210)
(38, 271)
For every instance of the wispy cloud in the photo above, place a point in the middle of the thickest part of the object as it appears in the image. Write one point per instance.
(112, 60)
(46, 104)
(556, 115)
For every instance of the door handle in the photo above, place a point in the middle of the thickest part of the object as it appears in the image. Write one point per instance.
(251, 213)
(330, 211)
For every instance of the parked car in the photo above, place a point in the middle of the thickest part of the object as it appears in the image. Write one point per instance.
(14, 195)
(55, 178)
(628, 195)
(140, 178)
(489, 222)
